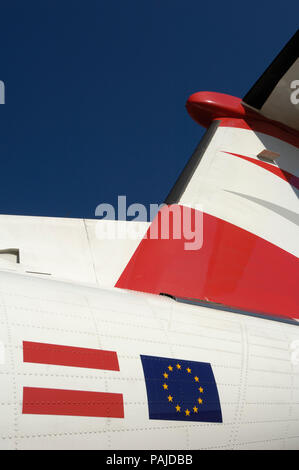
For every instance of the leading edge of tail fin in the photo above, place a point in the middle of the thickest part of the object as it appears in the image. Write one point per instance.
(243, 182)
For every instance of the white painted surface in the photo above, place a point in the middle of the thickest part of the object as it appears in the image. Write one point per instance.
(251, 359)
(220, 175)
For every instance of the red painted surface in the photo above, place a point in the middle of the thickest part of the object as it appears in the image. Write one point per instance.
(263, 127)
(234, 268)
(285, 175)
(48, 401)
(42, 353)
(204, 107)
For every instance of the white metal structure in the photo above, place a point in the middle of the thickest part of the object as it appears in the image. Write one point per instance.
(83, 329)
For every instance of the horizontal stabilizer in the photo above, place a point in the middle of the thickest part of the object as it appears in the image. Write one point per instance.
(276, 94)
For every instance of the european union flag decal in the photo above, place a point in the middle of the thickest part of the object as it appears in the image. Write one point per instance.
(181, 390)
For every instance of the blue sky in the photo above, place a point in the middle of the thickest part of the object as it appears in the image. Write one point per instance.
(96, 92)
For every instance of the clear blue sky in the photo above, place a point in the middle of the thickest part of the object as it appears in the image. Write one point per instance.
(96, 91)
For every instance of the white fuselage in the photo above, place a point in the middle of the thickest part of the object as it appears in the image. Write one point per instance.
(251, 358)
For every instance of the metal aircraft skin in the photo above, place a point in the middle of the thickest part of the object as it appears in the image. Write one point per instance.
(93, 357)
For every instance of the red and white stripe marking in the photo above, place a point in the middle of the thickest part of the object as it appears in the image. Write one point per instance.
(48, 401)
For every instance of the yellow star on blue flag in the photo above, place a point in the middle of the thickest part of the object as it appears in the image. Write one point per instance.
(181, 390)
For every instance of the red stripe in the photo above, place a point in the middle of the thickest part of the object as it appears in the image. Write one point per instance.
(285, 175)
(234, 268)
(42, 353)
(47, 401)
(264, 127)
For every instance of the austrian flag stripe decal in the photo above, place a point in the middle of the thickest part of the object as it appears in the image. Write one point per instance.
(50, 401)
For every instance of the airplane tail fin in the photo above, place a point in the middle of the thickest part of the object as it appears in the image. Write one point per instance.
(244, 176)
